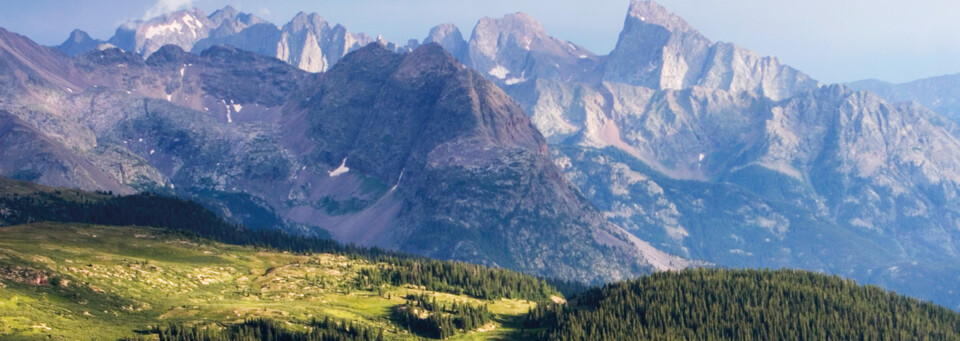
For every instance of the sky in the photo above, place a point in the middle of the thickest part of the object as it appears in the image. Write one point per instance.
(831, 40)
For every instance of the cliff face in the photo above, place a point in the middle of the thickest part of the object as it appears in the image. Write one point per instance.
(449, 37)
(660, 50)
(516, 48)
(311, 44)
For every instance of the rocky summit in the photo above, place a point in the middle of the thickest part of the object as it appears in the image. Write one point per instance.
(660, 50)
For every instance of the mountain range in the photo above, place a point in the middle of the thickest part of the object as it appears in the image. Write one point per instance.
(398, 151)
(709, 151)
(671, 144)
(308, 41)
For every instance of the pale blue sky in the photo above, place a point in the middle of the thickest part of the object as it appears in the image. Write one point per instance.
(833, 41)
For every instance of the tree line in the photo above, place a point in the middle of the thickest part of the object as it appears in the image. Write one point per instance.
(269, 330)
(460, 279)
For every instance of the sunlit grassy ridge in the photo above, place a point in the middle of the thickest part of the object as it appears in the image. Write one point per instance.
(74, 281)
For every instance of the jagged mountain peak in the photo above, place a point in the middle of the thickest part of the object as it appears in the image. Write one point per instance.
(660, 50)
(651, 12)
(229, 20)
(307, 41)
(227, 12)
(515, 48)
(303, 21)
(78, 36)
(518, 22)
(78, 42)
(499, 119)
(190, 16)
(490, 33)
(472, 108)
(184, 28)
(443, 30)
(450, 37)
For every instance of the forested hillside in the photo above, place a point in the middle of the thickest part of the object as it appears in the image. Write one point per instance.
(712, 304)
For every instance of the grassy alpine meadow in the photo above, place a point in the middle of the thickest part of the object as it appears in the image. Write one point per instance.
(89, 282)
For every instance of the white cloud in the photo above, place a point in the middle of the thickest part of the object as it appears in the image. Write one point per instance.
(162, 7)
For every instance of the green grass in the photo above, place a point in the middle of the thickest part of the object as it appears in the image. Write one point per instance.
(121, 280)
(11, 187)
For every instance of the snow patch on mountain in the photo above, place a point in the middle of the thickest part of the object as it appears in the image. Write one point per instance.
(341, 170)
(185, 25)
(154, 31)
(514, 80)
(394, 188)
(499, 71)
